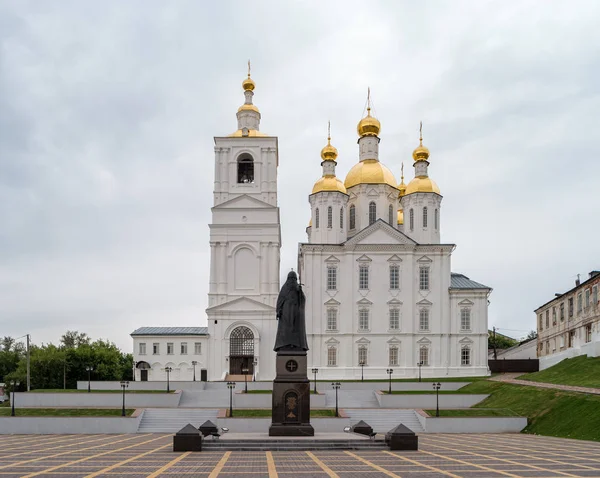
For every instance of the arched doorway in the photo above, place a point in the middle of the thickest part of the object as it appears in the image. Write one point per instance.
(241, 351)
(143, 367)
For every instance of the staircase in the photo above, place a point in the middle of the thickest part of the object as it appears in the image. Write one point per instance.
(204, 399)
(384, 419)
(171, 420)
(303, 444)
(352, 398)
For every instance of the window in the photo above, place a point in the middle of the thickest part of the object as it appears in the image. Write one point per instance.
(363, 277)
(424, 319)
(329, 217)
(412, 219)
(562, 340)
(547, 347)
(393, 355)
(437, 219)
(547, 318)
(465, 355)
(425, 217)
(245, 169)
(541, 322)
(562, 311)
(391, 215)
(183, 348)
(331, 357)
(317, 218)
(394, 319)
(588, 333)
(424, 278)
(362, 354)
(424, 355)
(331, 319)
(394, 277)
(341, 218)
(553, 315)
(363, 319)
(198, 348)
(331, 278)
(352, 217)
(142, 349)
(594, 295)
(155, 349)
(579, 303)
(465, 319)
(372, 212)
(570, 306)
(170, 348)
(587, 298)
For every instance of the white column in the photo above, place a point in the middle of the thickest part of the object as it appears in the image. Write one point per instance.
(213, 269)
(224, 158)
(222, 270)
(264, 279)
(217, 170)
(274, 266)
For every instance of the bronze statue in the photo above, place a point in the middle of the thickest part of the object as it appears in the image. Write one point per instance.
(291, 329)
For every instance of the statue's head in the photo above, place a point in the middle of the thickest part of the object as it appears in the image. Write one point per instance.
(292, 275)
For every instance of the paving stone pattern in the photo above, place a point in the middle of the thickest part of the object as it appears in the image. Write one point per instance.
(150, 455)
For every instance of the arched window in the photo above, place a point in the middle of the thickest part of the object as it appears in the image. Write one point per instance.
(437, 219)
(391, 215)
(241, 350)
(425, 217)
(412, 219)
(372, 212)
(352, 217)
(393, 355)
(424, 319)
(362, 355)
(341, 218)
(329, 217)
(317, 218)
(331, 357)
(245, 169)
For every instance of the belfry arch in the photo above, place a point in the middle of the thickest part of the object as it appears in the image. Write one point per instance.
(241, 351)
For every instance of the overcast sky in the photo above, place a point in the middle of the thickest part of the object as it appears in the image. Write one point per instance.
(108, 111)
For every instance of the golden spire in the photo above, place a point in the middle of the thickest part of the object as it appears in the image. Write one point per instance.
(368, 126)
(329, 152)
(421, 153)
(402, 186)
(248, 83)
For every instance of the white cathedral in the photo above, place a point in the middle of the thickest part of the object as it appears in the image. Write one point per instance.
(378, 281)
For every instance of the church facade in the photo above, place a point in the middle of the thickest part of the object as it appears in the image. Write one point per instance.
(380, 291)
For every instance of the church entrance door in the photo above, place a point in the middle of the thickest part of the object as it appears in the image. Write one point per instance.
(144, 375)
(241, 351)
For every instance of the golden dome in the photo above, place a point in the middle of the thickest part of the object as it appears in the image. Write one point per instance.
(422, 184)
(369, 125)
(421, 153)
(310, 222)
(329, 183)
(369, 171)
(248, 84)
(248, 107)
(400, 217)
(402, 186)
(329, 152)
(252, 133)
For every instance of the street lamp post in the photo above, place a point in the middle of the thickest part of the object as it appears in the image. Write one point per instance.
(194, 363)
(89, 369)
(315, 371)
(168, 370)
(15, 384)
(231, 386)
(245, 372)
(362, 370)
(254, 364)
(124, 385)
(436, 387)
(336, 386)
(390, 371)
(420, 364)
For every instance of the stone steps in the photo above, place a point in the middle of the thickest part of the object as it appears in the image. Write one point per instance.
(171, 420)
(291, 445)
(383, 420)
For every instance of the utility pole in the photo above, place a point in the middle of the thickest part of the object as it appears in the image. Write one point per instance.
(28, 369)
(494, 339)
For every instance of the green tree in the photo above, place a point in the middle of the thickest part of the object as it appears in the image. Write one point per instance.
(11, 353)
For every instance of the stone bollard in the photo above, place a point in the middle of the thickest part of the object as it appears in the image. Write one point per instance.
(208, 428)
(402, 438)
(363, 428)
(187, 439)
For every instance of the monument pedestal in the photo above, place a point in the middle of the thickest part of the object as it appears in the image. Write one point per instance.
(291, 395)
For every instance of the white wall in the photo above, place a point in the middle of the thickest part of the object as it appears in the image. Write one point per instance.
(87, 400)
(474, 424)
(68, 425)
(429, 401)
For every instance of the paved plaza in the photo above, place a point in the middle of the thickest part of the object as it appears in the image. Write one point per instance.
(150, 455)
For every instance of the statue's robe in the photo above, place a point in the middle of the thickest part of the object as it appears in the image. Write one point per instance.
(291, 329)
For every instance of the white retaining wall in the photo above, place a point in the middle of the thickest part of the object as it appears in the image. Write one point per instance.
(261, 425)
(473, 424)
(86, 400)
(265, 400)
(591, 349)
(68, 425)
(115, 385)
(428, 400)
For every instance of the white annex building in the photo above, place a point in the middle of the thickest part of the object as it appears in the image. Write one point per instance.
(380, 291)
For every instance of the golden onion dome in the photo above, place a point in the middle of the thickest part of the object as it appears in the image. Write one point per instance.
(421, 153)
(369, 125)
(252, 133)
(329, 152)
(369, 171)
(402, 186)
(329, 183)
(248, 84)
(248, 107)
(400, 217)
(422, 184)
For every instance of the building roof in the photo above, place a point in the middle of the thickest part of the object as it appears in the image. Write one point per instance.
(460, 281)
(582, 285)
(170, 331)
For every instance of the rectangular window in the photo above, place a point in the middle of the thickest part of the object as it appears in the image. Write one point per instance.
(394, 319)
(562, 341)
(547, 318)
(394, 277)
(331, 319)
(547, 347)
(362, 355)
(183, 348)
(579, 303)
(541, 322)
(155, 349)
(587, 298)
(331, 357)
(142, 349)
(553, 315)
(424, 356)
(363, 319)
(393, 356)
(571, 338)
(363, 277)
(594, 295)
(570, 306)
(170, 348)
(465, 356)
(331, 278)
(424, 278)
(198, 348)
(562, 311)
(465, 319)
(424, 319)
(588, 333)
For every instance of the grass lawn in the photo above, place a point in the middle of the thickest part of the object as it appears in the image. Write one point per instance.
(266, 412)
(65, 412)
(475, 412)
(550, 412)
(74, 390)
(580, 371)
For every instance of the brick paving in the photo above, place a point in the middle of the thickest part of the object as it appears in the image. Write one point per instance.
(511, 378)
(151, 455)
